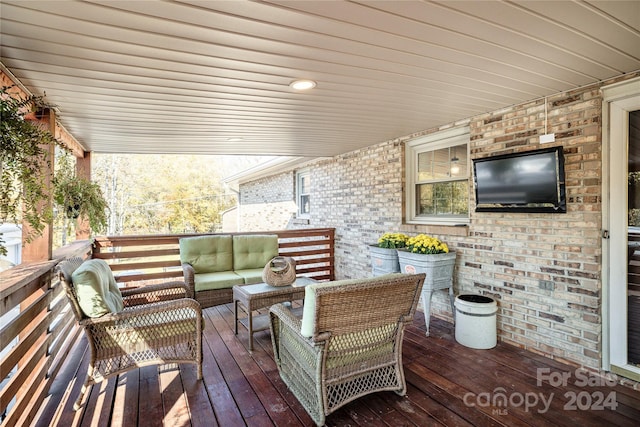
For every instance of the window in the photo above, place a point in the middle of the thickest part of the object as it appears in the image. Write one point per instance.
(438, 178)
(303, 193)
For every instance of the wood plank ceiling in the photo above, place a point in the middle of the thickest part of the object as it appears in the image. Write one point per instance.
(194, 76)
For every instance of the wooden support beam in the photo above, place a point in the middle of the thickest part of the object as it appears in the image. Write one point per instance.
(61, 134)
(69, 141)
(40, 248)
(83, 170)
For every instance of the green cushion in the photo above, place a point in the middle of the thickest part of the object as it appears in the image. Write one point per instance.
(96, 289)
(150, 328)
(309, 308)
(253, 251)
(207, 254)
(216, 280)
(251, 276)
(350, 349)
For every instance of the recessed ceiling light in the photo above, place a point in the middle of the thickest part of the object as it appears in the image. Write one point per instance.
(302, 84)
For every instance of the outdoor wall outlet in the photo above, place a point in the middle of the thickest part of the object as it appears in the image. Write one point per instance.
(549, 137)
(547, 285)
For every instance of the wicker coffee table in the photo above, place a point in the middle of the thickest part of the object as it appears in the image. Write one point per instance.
(261, 295)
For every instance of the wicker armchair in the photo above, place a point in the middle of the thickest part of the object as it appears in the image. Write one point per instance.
(348, 342)
(158, 325)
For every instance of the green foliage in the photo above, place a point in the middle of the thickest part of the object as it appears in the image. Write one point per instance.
(634, 177)
(444, 198)
(634, 213)
(23, 189)
(150, 194)
(79, 197)
(393, 240)
(137, 194)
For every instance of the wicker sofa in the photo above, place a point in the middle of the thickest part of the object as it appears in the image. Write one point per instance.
(213, 264)
(348, 342)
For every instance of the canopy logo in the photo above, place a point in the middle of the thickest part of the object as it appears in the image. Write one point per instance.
(500, 400)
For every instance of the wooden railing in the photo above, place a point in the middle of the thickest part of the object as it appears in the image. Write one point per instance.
(38, 329)
(135, 258)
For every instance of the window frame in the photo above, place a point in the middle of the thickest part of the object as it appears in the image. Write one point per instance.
(436, 141)
(300, 175)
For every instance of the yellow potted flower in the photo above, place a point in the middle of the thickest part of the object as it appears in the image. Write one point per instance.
(423, 244)
(429, 255)
(384, 255)
(393, 240)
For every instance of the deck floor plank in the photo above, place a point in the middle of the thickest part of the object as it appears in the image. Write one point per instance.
(150, 399)
(225, 407)
(519, 369)
(496, 378)
(434, 408)
(248, 402)
(362, 415)
(57, 408)
(99, 404)
(275, 405)
(125, 405)
(242, 388)
(516, 365)
(477, 383)
(176, 412)
(201, 412)
(264, 359)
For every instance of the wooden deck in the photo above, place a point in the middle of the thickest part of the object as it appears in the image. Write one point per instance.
(448, 384)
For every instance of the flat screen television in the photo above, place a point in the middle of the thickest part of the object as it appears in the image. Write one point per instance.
(532, 181)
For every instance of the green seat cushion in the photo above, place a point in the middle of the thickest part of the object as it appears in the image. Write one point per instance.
(251, 275)
(96, 289)
(253, 251)
(216, 280)
(150, 328)
(356, 348)
(207, 254)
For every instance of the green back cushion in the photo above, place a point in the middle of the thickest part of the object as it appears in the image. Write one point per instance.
(253, 251)
(96, 289)
(207, 254)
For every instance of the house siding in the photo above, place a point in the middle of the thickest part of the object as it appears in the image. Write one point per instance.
(544, 270)
(267, 203)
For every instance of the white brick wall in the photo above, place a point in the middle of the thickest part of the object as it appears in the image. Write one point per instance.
(512, 257)
(267, 204)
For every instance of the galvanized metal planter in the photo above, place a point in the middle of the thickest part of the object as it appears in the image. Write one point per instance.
(438, 267)
(383, 260)
(439, 271)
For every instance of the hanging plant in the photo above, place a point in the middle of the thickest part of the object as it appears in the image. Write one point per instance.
(23, 189)
(78, 197)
